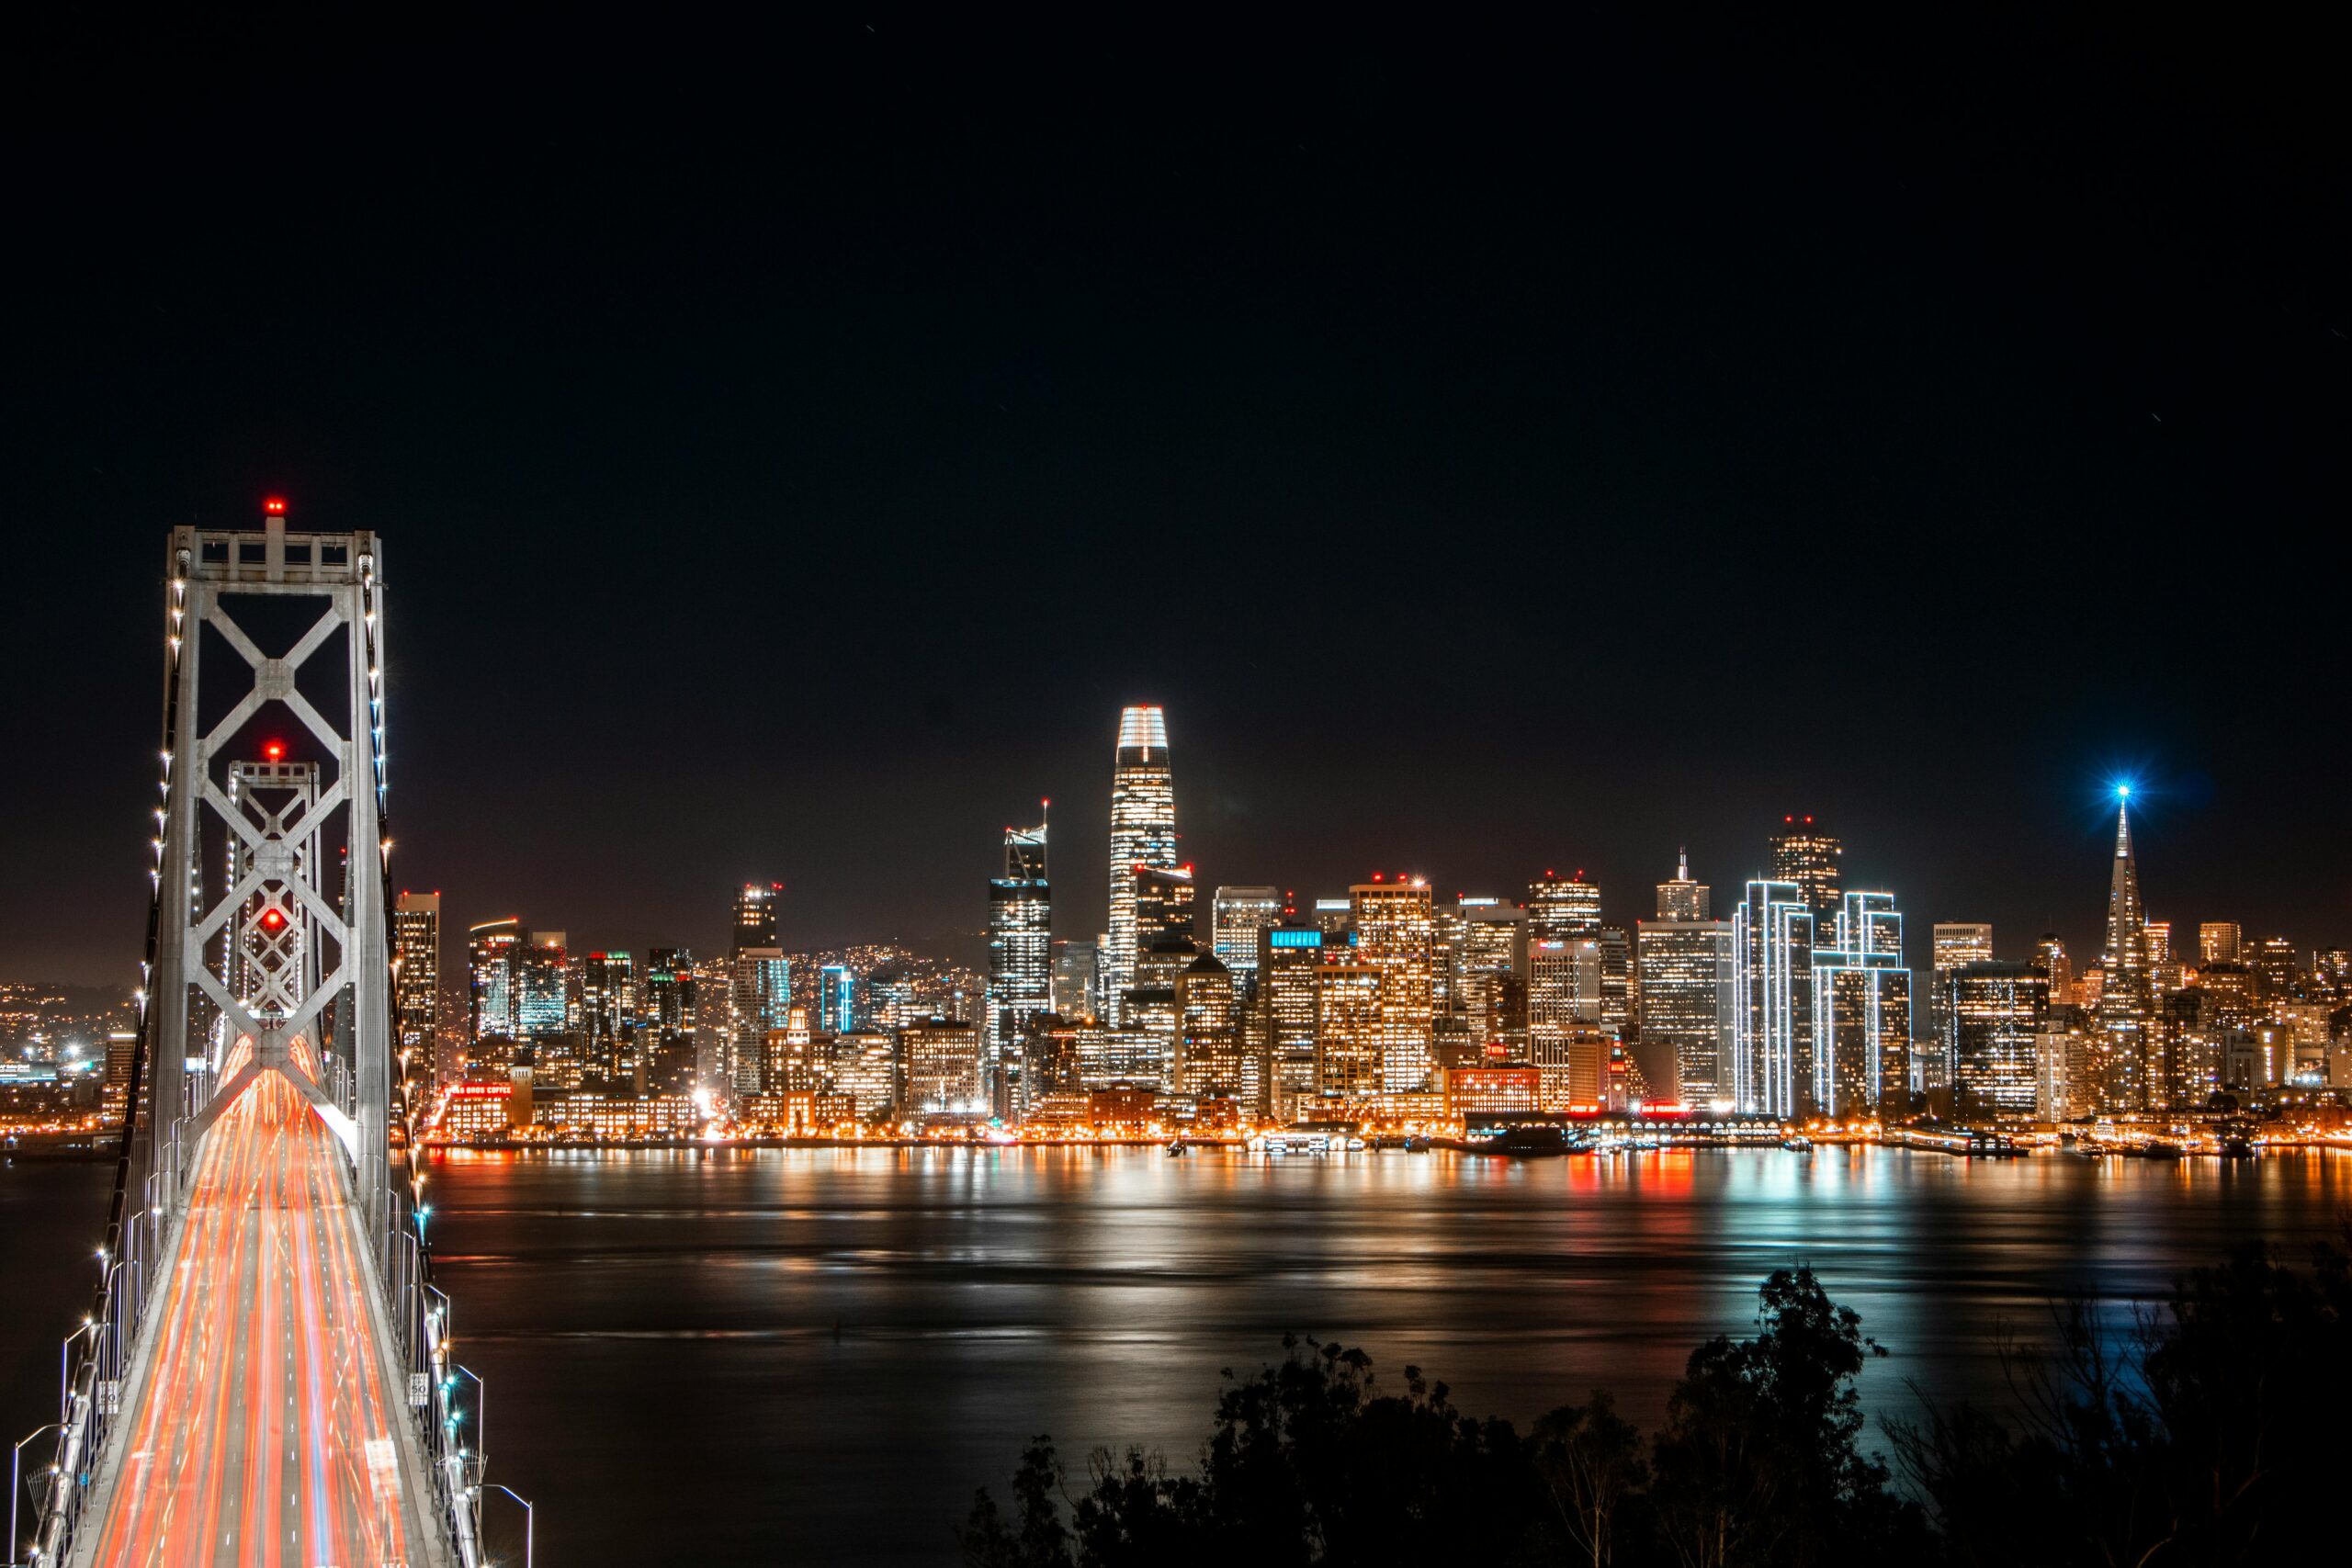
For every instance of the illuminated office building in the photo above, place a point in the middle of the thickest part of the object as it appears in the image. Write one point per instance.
(837, 999)
(1564, 1039)
(1489, 936)
(1683, 899)
(791, 1063)
(416, 980)
(1290, 960)
(1950, 944)
(1020, 957)
(668, 1023)
(1862, 1010)
(941, 1059)
(2050, 952)
(1995, 1014)
(1210, 1055)
(1562, 909)
(1348, 1031)
(542, 987)
(608, 1020)
(1804, 855)
(1395, 934)
(865, 1068)
(1161, 898)
(491, 948)
(1613, 954)
(1143, 835)
(1236, 917)
(2127, 996)
(2221, 941)
(1076, 981)
(759, 987)
(1335, 918)
(1684, 961)
(1772, 938)
(2272, 959)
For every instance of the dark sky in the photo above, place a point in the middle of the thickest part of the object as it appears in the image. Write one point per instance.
(1497, 450)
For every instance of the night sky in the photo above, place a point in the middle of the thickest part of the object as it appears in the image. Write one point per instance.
(1499, 451)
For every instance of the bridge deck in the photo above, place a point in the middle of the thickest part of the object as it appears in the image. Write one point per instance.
(263, 1425)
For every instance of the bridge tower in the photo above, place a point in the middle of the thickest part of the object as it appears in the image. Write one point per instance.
(270, 924)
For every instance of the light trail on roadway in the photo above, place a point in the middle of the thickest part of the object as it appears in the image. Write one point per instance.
(261, 1428)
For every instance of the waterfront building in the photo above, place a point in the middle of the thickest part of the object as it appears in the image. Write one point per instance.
(1236, 917)
(1862, 1010)
(941, 1059)
(1143, 835)
(1562, 908)
(1493, 1091)
(793, 1060)
(1210, 1057)
(1771, 1064)
(416, 981)
(1564, 1034)
(1395, 934)
(1570, 1060)
(667, 1023)
(2127, 998)
(1805, 854)
(2192, 1027)
(491, 950)
(1020, 985)
(2061, 1058)
(1950, 944)
(1995, 1012)
(1347, 1029)
(608, 1019)
(865, 1068)
(1684, 961)
(1290, 958)
(759, 987)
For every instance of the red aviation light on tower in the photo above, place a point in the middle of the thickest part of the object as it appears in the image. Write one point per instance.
(273, 507)
(273, 750)
(271, 920)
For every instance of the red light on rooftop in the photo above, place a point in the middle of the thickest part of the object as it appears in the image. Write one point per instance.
(275, 506)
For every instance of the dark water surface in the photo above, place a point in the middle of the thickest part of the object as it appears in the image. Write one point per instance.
(804, 1356)
(815, 1356)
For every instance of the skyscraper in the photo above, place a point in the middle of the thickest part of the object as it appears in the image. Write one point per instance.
(1994, 1015)
(1395, 935)
(667, 1021)
(1564, 1039)
(1562, 908)
(1950, 944)
(1805, 854)
(1771, 935)
(1862, 1010)
(1683, 899)
(836, 1000)
(416, 978)
(1021, 950)
(2221, 941)
(1143, 833)
(491, 949)
(1289, 959)
(608, 1014)
(1209, 1055)
(1236, 917)
(2126, 1000)
(759, 989)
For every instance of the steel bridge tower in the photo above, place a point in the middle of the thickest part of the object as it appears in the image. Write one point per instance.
(292, 950)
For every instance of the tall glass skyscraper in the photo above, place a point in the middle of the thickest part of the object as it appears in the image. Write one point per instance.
(836, 1000)
(1771, 938)
(1143, 834)
(1021, 950)
(416, 978)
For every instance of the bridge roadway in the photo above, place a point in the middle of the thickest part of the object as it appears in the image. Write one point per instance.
(265, 1421)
